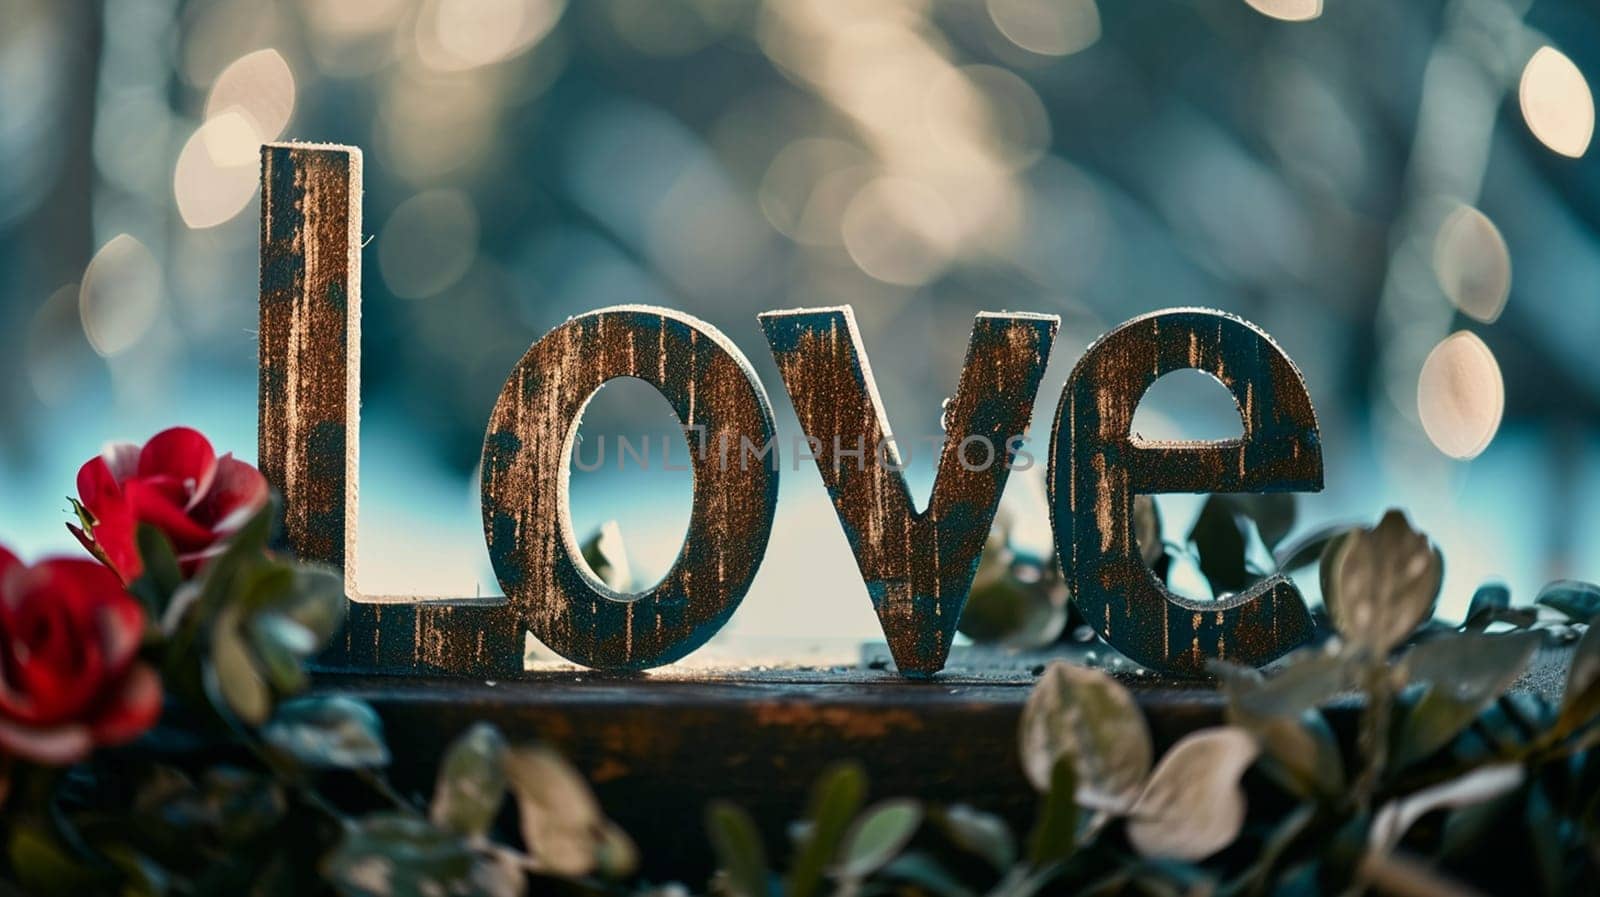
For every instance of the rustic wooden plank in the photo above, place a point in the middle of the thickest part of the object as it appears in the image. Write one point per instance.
(1097, 467)
(526, 467)
(309, 425)
(310, 341)
(918, 565)
(657, 748)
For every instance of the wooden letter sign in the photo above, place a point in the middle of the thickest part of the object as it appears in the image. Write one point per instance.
(310, 427)
(525, 470)
(918, 565)
(1097, 467)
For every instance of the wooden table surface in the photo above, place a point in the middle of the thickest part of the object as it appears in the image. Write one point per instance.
(657, 746)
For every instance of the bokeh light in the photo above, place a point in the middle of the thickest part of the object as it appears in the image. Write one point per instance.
(59, 359)
(218, 170)
(1361, 179)
(120, 296)
(1473, 264)
(1556, 102)
(457, 35)
(1461, 396)
(1288, 10)
(259, 87)
(1047, 27)
(428, 243)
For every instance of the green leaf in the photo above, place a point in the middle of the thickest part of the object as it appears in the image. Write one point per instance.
(1487, 602)
(835, 800)
(603, 551)
(1193, 806)
(1309, 679)
(396, 855)
(1300, 753)
(1147, 529)
(1474, 665)
(1276, 847)
(1274, 514)
(878, 837)
(1017, 599)
(226, 577)
(1055, 832)
(1483, 784)
(235, 686)
(259, 586)
(1380, 584)
(44, 867)
(927, 874)
(244, 805)
(1086, 715)
(737, 844)
(1545, 847)
(472, 782)
(141, 876)
(1580, 701)
(317, 602)
(1220, 541)
(1465, 673)
(561, 821)
(1307, 549)
(162, 576)
(328, 732)
(281, 645)
(1580, 601)
(1468, 829)
(980, 833)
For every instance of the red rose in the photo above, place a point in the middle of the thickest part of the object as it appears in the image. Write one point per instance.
(176, 483)
(70, 677)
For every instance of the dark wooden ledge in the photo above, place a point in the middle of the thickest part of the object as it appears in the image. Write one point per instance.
(658, 746)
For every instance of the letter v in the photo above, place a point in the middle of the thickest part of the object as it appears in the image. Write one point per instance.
(918, 566)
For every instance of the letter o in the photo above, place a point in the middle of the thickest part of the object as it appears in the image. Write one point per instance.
(526, 472)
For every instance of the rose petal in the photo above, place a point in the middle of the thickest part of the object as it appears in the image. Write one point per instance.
(121, 631)
(237, 492)
(122, 459)
(9, 567)
(131, 710)
(97, 485)
(179, 492)
(114, 543)
(85, 541)
(65, 667)
(151, 506)
(57, 746)
(14, 704)
(183, 454)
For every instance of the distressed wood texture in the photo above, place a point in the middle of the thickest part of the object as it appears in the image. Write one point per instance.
(310, 341)
(309, 427)
(1097, 467)
(658, 750)
(526, 467)
(918, 566)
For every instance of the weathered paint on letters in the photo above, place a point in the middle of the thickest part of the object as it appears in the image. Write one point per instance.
(1097, 467)
(309, 427)
(526, 466)
(918, 566)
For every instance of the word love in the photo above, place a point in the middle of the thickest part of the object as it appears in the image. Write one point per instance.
(918, 565)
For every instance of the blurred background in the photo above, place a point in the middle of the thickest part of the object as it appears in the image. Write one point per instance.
(1398, 192)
